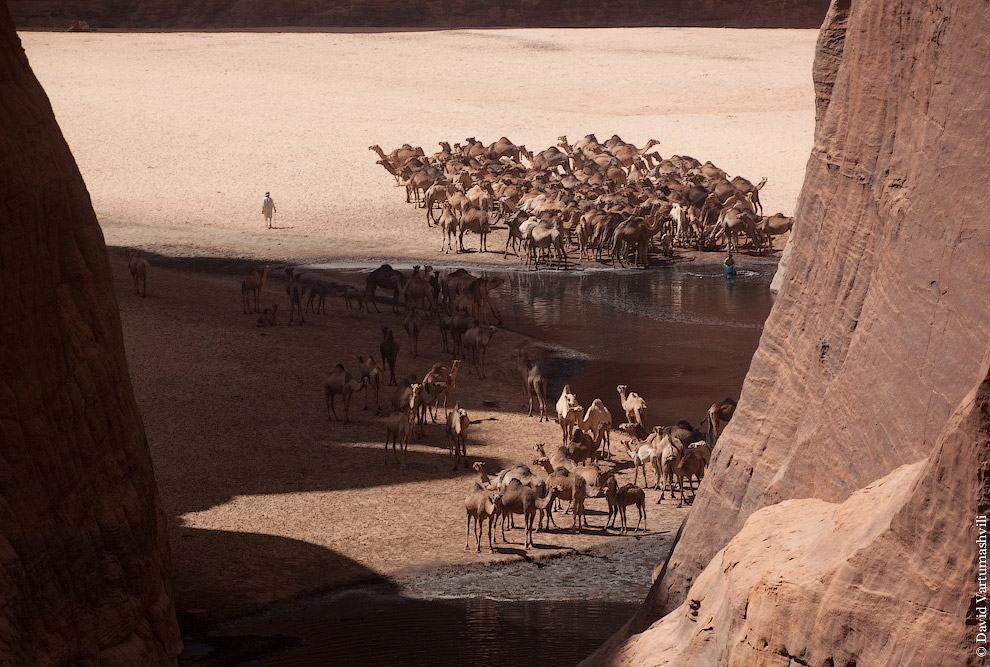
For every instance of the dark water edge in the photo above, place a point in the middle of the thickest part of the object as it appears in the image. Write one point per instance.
(369, 629)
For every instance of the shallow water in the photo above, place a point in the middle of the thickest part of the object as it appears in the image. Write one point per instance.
(681, 336)
(361, 628)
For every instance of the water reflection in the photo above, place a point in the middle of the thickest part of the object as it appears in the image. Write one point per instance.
(679, 336)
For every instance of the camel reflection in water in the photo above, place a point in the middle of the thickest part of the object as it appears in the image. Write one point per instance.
(681, 336)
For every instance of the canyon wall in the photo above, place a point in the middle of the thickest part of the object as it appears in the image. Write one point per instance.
(836, 525)
(84, 562)
(236, 14)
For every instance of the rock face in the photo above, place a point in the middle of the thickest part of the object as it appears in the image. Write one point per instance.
(436, 13)
(836, 524)
(84, 564)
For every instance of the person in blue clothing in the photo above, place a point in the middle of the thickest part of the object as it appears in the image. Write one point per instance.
(730, 269)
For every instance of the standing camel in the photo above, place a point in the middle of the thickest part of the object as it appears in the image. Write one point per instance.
(340, 382)
(138, 267)
(479, 507)
(412, 325)
(251, 286)
(387, 278)
(536, 384)
(371, 373)
(457, 426)
(633, 405)
(389, 347)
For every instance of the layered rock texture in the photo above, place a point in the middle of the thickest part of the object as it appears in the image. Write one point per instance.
(837, 522)
(435, 13)
(84, 565)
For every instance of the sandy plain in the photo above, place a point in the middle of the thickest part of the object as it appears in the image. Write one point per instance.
(179, 135)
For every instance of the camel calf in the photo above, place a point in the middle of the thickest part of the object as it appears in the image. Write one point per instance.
(479, 506)
(269, 316)
(620, 498)
(138, 266)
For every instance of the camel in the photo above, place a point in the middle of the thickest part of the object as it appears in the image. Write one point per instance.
(477, 294)
(446, 333)
(387, 278)
(442, 380)
(269, 316)
(681, 462)
(620, 498)
(400, 156)
(633, 404)
(519, 499)
(560, 458)
(476, 341)
(405, 398)
(774, 226)
(568, 486)
(398, 429)
(296, 289)
(429, 395)
(535, 383)
(645, 453)
(139, 267)
(718, 415)
(371, 373)
(475, 220)
(251, 286)
(670, 450)
(633, 430)
(731, 222)
(352, 293)
(460, 323)
(436, 195)
(448, 224)
(568, 412)
(418, 291)
(389, 347)
(457, 427)
(412, 325)
(341, 382)
(744, 186)
(634, 233)
(582, 447)
(479, 506)
(598, 422)
(544, 237)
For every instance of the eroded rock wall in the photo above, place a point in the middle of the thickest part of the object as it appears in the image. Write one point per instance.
(879, 333)
(84, 565)
(226, 14)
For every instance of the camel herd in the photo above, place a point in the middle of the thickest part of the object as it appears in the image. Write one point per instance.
(606, 201)
(581, 468)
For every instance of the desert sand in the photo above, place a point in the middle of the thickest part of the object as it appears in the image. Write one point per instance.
(179, 135)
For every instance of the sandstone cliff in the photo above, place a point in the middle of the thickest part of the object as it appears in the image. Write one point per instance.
(836, 525)
(227, 14)
(84, 566)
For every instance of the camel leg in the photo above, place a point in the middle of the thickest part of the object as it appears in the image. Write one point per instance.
(467, 539)
(347, 407)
